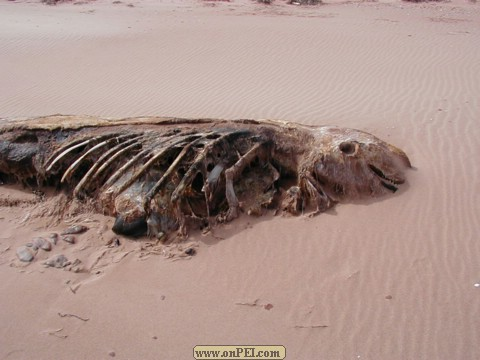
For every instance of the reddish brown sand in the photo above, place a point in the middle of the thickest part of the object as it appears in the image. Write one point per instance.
(387, 279)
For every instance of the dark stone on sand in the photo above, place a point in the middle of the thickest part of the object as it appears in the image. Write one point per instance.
(190, 251)
(135, 228)
(25, 254)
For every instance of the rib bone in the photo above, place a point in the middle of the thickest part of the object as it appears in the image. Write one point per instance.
(169, 171)
(103, 163)
(233, 173)
(66, 151)
(72, 167)
(166, 148)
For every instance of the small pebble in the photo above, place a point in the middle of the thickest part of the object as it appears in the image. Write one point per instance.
(476, 285)
(77, 229)
(112, 353)
(57, 261)
(389, 297)
(25, 254)
(42, 243)
(53, 238)
(190, 251)
(69, 239)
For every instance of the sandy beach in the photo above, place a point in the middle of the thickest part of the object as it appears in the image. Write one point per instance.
(392, 278)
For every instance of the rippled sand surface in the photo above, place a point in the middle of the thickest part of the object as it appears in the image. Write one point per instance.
(388, 279)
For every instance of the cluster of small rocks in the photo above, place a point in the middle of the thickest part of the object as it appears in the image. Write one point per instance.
(27, 252)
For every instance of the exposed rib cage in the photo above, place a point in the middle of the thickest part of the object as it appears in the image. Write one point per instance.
(158, 175)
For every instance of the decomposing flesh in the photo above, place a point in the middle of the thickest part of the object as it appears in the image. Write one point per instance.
(159, 175)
